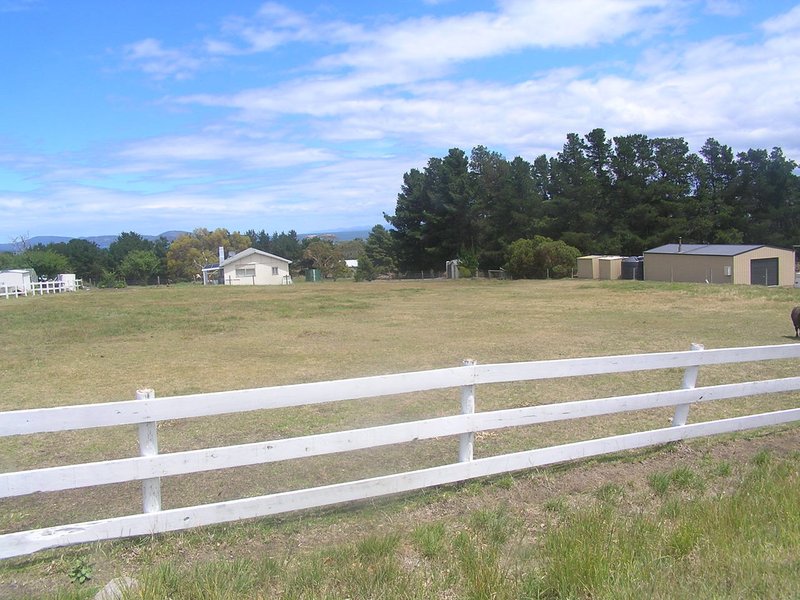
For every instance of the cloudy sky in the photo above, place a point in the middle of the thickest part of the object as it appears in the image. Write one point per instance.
(155, 115)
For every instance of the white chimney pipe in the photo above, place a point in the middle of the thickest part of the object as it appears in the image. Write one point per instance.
(221, 255)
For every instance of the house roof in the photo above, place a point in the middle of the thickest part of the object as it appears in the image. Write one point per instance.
(250, 252)
(705, 249)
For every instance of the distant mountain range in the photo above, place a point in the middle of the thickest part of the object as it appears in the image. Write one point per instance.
(104, 241)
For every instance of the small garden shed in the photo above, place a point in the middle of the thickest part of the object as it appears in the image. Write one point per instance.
(19, 280)
(720, 263)
(596, 266)
(255, 267)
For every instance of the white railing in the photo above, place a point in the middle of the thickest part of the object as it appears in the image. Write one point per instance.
(12, 290)
(150, 466)
(55, 286)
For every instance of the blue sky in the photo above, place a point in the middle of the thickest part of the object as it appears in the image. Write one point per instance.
(153, 115)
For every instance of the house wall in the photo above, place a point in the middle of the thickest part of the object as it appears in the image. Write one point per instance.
(697, 268)
(261, 266)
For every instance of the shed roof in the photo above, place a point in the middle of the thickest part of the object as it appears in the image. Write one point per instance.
(705, 249)
(249, 252)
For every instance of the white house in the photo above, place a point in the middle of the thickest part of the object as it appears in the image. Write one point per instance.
(255, 267)
(16, 280)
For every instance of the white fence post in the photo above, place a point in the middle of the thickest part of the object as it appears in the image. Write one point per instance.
(689, 381)
(148, 446)
(467, 440)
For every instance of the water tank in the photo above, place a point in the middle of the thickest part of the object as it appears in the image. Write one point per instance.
(632, 268)
(313, 275)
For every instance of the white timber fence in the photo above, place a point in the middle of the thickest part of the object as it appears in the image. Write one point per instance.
(55, 286)
(150, 467)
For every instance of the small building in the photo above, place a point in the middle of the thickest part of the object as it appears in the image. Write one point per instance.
(596, 266)
(17, 280)
(68, 282)
(721, 263)
(254, 267)
(588, 267)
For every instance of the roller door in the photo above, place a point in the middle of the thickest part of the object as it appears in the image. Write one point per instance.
(764, 271)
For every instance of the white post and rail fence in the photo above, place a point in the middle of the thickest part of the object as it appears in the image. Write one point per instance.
(150, 467)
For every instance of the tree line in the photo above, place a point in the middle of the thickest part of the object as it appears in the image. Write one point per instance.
(134, 259)
(621, 196)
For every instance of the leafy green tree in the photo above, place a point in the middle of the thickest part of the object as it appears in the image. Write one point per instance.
(521, 263)
(87, 259)
(287, 245)
(160, 249)
(125, 243)
(409, 221)
(600, 195)
(575, 193)
(139, 266)
(670, 192)
(541, 257)
(379, 249)
(190, 253)
(260, 240)
(46, 263)
(325, 256)
(8, 260)
(632, 214)
(719, 219)
(555, 259)
(366, 270)
(767, 192)
(434, 217)
(351, 249)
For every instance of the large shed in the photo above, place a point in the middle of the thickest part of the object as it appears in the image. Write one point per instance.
(721, 263)
(255, 267)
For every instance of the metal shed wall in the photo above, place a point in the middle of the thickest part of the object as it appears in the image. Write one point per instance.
(588, 267)
(690, 268)
(741, 266)
(609, 267)
(700, 268)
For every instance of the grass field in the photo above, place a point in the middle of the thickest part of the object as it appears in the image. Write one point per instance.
(103, 345)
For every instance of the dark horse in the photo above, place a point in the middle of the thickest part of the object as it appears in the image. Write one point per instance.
(796, 320)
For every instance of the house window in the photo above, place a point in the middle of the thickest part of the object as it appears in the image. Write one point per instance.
(246, 271)
(274, 270)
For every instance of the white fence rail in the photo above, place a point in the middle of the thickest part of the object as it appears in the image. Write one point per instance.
(12, 290)
(41, 288)
(151, 466)
(56, 286)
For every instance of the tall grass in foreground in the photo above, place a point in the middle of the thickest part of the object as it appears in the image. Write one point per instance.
(682, 542)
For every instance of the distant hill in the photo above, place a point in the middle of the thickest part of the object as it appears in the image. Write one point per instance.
(104, 241)
(339, 236)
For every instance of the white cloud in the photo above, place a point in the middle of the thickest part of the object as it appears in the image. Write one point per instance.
(366, 104)
(151, 57)
(418, 49)
(165, 152)
(724, 8)
(786, 23)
